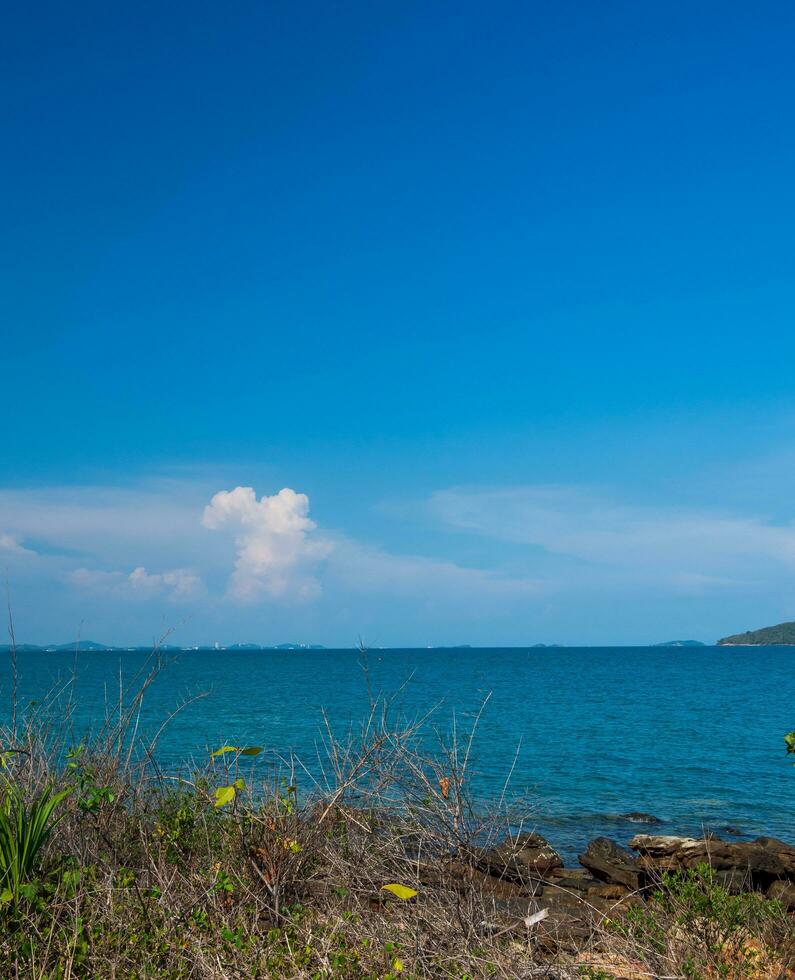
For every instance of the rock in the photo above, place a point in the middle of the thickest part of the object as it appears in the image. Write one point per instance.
(525, 858)
(761, 861)
(609, 862)
(562, 930)
(733, 831)
(735, 882)
(507, 909)
(784, 892)
(662, 846)
(577, 880)
(784, 852)
(562, 872)
(459, 876)
(637, 816)
(605, 890)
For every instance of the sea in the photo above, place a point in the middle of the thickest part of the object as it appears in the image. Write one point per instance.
(576, 738)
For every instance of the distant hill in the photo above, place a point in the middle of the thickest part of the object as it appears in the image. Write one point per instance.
(768, 636)
(82, 645)
(94, 647)
(298, 646)
(681, 643)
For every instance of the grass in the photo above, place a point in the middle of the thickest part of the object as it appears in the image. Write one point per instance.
(112, 868)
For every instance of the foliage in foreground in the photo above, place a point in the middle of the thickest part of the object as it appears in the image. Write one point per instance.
(693, 927)
(110, 869)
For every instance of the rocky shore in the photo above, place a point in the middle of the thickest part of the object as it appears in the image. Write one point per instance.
(525, 875)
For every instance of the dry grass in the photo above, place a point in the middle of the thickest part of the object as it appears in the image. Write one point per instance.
(147, 877)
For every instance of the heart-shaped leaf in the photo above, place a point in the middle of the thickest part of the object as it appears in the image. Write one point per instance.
(224, 795)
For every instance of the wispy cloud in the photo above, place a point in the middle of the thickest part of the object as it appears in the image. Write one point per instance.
(688, 548)
(120, 543)
(235, 559)
(9, 544)
(280, 553)
(176, 584)
(367, 570)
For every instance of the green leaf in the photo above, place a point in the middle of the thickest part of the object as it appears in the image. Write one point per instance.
(790, 742)
(6, 896)
(251, 750)
(239, 783)
(223, 750)
(403, 892)
(224, 795)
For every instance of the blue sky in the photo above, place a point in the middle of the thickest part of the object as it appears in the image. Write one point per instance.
(501, 294)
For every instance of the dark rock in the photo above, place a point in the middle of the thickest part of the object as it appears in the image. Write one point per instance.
(525, 858)
(784, 892)
(463, 877)
(609, 862)
(735, 882)
(637, 816)
(733, 831)
(514, 908)
(564, 930)
(784, 852)
(762, 860)
(565, 873)
(578, 880)
(608, 891)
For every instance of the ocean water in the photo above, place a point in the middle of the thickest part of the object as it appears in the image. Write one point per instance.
(693, 736)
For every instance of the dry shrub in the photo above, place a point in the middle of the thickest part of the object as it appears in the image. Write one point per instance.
(148, 876)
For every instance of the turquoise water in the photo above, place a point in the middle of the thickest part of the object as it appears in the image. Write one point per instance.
(694, 736)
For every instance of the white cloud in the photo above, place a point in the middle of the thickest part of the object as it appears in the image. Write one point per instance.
(367, 570)
(280, 551)
(178, 583)
(112, 524)
(9, 543)
(277, 552)
(95, 580)
(687, 548)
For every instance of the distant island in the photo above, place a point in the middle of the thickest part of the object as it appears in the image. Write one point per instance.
(91, 646)
(681, 643)
(768, 636)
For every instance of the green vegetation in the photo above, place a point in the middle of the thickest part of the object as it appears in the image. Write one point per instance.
(24, 829)
(781, 635)
(693, 927)
(111, 868)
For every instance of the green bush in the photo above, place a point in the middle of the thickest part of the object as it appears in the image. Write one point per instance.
(694, 923)
(24, 829)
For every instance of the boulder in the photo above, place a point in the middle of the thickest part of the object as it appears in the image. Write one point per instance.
(611, 863)
(762, 861)
(525, 858)
(637, 816)
(574, 880)
(461, 876)
(660, 846)
(784, 852)
(735, 882)
(784, 892)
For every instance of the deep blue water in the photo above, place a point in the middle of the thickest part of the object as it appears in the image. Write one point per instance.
(694, 736)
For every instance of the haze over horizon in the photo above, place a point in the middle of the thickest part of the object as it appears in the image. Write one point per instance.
(439, 324)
